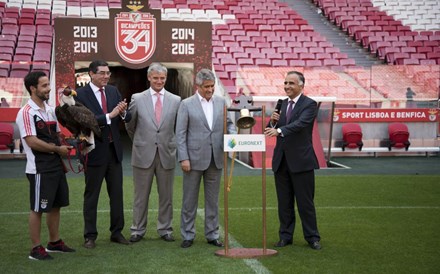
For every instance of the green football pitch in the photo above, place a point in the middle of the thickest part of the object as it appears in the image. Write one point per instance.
(369, 223)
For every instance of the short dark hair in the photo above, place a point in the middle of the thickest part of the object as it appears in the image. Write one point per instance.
(97, 63)
(300, 76)
(32, 78)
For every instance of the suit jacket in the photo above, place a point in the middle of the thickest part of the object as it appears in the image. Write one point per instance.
(100, 154)
(296, 144)
(195, 140)
(147, 135)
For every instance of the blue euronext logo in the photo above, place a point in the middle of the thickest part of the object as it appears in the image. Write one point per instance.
(232, 143)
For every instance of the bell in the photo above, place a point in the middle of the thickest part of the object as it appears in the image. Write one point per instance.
(246, 120)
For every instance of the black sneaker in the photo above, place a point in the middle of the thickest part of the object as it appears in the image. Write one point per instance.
(39, 253)
(58, 246)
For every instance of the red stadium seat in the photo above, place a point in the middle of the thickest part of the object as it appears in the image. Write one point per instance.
(6, 137)
(352, 136)
(399, 136)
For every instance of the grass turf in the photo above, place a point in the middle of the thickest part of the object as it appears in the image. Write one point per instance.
(368, 224)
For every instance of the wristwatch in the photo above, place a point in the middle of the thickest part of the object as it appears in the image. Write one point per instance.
(279, 131)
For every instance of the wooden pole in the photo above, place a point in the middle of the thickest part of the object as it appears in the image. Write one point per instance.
(226, 183)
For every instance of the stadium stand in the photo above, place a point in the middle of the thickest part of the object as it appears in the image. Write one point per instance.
(256, 42)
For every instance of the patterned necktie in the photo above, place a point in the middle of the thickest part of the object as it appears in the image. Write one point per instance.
(158, 108)
(103, 101)
(289, 110)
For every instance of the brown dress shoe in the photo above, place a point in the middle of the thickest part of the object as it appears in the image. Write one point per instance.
(89, 243)
(120, 239)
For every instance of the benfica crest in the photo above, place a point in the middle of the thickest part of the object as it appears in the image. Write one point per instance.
(135, 34)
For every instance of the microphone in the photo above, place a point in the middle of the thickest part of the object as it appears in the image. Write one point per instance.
(278, 106)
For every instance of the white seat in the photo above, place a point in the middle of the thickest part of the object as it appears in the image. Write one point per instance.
(73, 11)
(44, 6)
(201, 16)
(409, 21)
(185, 10)
(58, 12)
(30, 2)
(215, 15)
(88, 12)
(29, 6)
(171, 16)
(228, 16)
(48, 2)
(218, 22)
(433, 26)
(417, 27)
(170, 10)
(187, 16)
(102, 14)
(14, 4)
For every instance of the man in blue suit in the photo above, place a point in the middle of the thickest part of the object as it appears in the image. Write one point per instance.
(294, 161)
(104, 161)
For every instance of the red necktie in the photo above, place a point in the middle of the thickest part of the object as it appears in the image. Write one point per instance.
(103, 101)
(289, 110)
(104, 109)
(158, 108)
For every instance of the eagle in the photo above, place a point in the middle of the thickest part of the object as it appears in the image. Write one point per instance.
(78, 119)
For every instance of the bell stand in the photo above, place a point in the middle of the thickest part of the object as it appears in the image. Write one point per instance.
(244, 253)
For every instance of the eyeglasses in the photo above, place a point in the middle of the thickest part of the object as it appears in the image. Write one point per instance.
(103, 73)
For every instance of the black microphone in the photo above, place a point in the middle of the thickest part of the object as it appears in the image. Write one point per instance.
(278, 106)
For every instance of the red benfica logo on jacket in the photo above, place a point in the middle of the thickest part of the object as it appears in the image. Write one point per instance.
(135, 34)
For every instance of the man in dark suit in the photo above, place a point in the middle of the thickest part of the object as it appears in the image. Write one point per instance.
(294, 161)
(104, 161)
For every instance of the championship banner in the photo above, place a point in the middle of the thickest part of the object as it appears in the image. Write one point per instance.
(386, 115)
(244, 142)
(133, 36)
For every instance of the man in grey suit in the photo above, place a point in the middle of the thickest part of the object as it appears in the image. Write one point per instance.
(199, 135)
(151, 129)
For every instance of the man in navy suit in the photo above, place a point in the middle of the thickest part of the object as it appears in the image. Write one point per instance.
(294, 161)
(104, 161)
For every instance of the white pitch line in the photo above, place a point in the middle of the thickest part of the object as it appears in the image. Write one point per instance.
(254, 264)
(248, 209)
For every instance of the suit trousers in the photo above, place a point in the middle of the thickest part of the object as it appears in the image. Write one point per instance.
(191, 187)
(94, 176)
(143, 180)
(299, 186)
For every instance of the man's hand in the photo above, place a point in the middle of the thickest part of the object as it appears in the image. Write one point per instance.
(271, 132)
(120, 108)
(185, 165)
(63, 151)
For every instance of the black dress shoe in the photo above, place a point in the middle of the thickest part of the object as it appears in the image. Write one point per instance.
(167, 238)
(315, 245)
(186, 243)
(135, 238)
(216, 242)
(89, 243)
(283, 243)
(120, 239)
